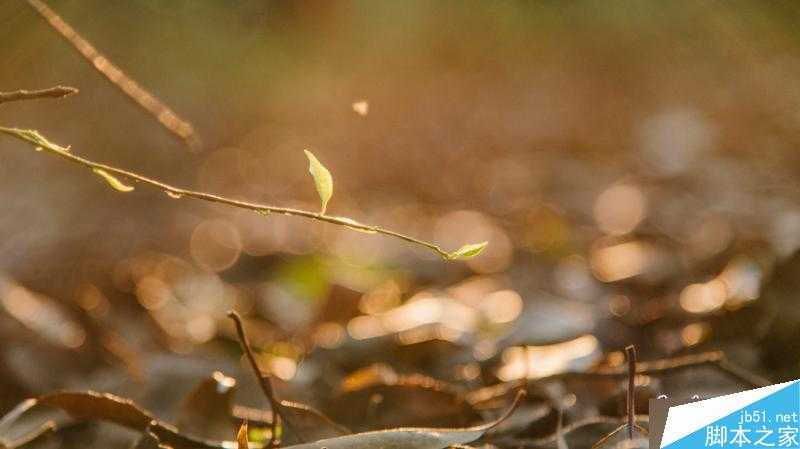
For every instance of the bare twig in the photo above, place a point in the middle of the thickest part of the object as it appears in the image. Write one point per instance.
(147, 101)
(263, 380)
(52, 92)
(619, 429)
(40, 142)
(630, 353)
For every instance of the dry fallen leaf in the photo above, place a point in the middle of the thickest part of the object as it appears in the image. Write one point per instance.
(90, 405)
(410, 438)
(376, 397)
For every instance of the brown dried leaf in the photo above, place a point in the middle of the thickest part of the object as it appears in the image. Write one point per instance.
(410, 438)
(377, 397)
(90, 405)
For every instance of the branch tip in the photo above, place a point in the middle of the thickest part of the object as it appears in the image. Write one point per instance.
(52, 92)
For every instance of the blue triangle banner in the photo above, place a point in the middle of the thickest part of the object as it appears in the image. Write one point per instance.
(766, 417)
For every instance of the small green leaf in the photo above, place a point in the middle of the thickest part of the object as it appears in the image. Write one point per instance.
(115, 183)
(322, 179)
(467, 251)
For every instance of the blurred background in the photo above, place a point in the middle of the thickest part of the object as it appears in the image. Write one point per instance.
(632, 164)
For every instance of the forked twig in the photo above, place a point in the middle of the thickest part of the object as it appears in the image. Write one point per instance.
(630, 400)
(263, 380)
(38, 141)
(619, 429)
(147, 101)
(52, 92)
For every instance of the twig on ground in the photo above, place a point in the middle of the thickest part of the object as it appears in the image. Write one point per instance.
(264, 381)
(630, 353)
(619, 429)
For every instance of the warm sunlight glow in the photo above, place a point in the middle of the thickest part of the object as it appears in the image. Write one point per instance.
(534, 362)
(619, 209)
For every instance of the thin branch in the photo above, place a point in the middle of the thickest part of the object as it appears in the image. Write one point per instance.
(39, 142)
(602, 441)
(630, 353)
(264, 381)
(52, 92)
(147, 101)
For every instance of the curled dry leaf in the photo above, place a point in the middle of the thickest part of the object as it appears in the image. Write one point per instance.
(377, 397)
(90, 405)
(410, 438)
(107, 407)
